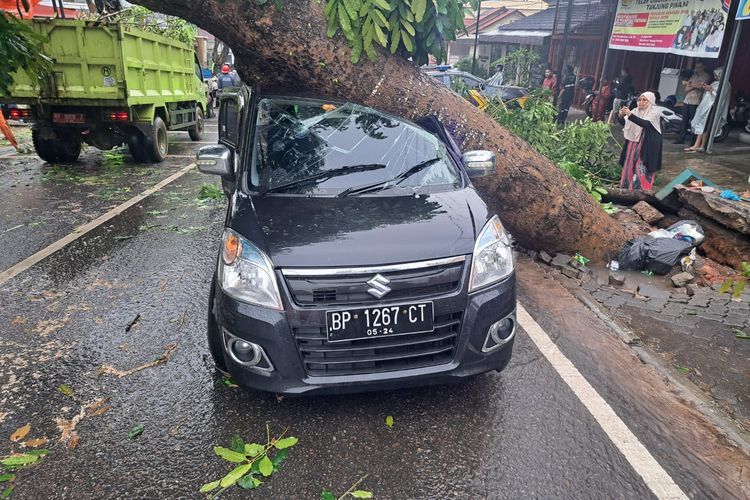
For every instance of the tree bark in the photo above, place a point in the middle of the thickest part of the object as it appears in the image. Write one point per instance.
(541, 205)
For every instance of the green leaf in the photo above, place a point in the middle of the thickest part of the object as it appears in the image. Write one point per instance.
(7, 491)
(23, 459)
(253, 449)
(136, 431)
(352, 8)
(381, 36)
(38, 453)
(383, 5)
(418, 7)
(327, 495)
(601, 190)
(726, 286)
(330, 7)
(739, 285)
(389, 420)
(210, 486)
(406, 40)
(229, 455)
(234, 475)
(66, 390)
(346, 25)
(379, 18)
(265, 466)
(740, 334)
(408, 27)
(238, 444)
(370, 51)
(227, 381)
(285, 443)
(249, 482)
(361, 494)
(279, 458)
(7, 477)
(395, 40)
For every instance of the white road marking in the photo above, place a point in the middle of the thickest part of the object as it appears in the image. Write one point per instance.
(89, 226)
(655, 477)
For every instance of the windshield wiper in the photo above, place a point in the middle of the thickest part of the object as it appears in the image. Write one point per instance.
(390, 182)
(335, 172)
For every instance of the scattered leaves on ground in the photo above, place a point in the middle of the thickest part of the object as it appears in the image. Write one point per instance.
(682, 369)
(161, 359)
(740, 334)
(209, 192)
(20, 433)
(136, 431)
(66, 390)
(351, 492)
(67, 428)
(389, 420)
(251, 462)
(35, 443)
(228, 381)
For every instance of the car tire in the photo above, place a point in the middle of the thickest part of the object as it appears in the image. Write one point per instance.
(215, 344)
(137, 147)
(722, 134)
(68, 146)
(156, 143)
(45, 148)
(196, 131)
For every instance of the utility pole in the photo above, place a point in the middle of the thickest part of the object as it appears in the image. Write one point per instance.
(723, 90)
(476, 39)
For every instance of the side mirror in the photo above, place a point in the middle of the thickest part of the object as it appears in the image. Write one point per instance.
(479, 163)
(215, 160)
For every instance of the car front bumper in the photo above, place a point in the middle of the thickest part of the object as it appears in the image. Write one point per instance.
(288, 371)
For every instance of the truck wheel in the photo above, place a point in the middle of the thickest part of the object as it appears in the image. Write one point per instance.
(137, 147)
(156, 144)
(45, 148)
(196, 131)
(68, 146)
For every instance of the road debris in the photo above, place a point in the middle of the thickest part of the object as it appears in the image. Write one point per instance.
(20, 433)
(163, 358)
(136, 431)
(67, 428)
(132, 322)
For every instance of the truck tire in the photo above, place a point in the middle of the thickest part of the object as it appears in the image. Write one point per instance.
(196, 131)
(156, 143)
(137, 147)
(64, 147)
(45, 148)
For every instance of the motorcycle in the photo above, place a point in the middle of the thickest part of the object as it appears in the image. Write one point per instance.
(587, 85)
(740, 112)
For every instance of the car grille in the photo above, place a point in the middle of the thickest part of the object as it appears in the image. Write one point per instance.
(375, 355)
(311, 290)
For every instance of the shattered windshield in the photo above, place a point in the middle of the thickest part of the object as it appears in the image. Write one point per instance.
(312, 147)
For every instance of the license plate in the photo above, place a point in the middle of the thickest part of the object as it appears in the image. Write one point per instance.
(68, 117)
(373, 322)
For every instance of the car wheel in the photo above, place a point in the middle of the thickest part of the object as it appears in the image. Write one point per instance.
(722, 133)
(68, 146)
(156, 144)
(196, 131)
(215, 344)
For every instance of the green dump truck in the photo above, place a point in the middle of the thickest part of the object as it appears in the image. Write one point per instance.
(110, 84)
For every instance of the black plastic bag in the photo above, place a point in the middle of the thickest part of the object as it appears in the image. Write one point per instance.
(656, 255)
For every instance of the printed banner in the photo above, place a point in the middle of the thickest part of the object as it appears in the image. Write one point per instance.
(693, 28)
(743, 12)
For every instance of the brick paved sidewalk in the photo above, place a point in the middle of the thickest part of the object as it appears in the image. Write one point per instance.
(694, 335)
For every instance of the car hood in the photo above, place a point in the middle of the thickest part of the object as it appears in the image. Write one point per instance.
(361, 230)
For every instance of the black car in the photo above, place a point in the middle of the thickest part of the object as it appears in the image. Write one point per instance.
(356, 254)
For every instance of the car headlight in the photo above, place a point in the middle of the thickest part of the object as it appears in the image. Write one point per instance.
(493, 257)
(246, 273)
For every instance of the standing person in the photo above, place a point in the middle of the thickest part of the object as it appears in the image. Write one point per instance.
(641, 153)
(497, 79)
(599, 105)
(694, 88)
(565, 99)
(622, 89)
(226, 79)
(550, 80)
(700, 122)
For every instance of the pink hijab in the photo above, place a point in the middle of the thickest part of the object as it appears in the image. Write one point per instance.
(632, 131)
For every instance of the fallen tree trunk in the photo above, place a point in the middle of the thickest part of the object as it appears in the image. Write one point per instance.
(542, 206)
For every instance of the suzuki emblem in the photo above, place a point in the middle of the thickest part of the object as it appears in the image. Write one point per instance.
(378, 284)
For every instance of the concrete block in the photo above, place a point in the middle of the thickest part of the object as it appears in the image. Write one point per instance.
(649, 214)
(682, 279)
(616, 279)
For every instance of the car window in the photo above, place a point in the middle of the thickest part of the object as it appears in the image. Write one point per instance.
(298, 139)
(229, 122)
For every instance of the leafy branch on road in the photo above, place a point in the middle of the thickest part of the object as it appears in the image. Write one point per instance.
(253, 462)
(159, 360)
(351, 492)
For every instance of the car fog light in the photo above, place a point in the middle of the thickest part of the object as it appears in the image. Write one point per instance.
(500, 333)
(248, 354)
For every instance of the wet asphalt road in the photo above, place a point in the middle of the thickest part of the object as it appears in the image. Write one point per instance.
(519, 434)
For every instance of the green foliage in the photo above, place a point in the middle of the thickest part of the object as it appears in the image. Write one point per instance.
(209, 192)
(465, 65)
(585, 150)
(160, 24)
(411, 28)
(350, 493)
(20, 48)
(252, 461)
(11, 464)
(521, 67)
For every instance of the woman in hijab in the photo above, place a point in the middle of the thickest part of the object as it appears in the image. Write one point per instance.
(641, 153)
(702, 112)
